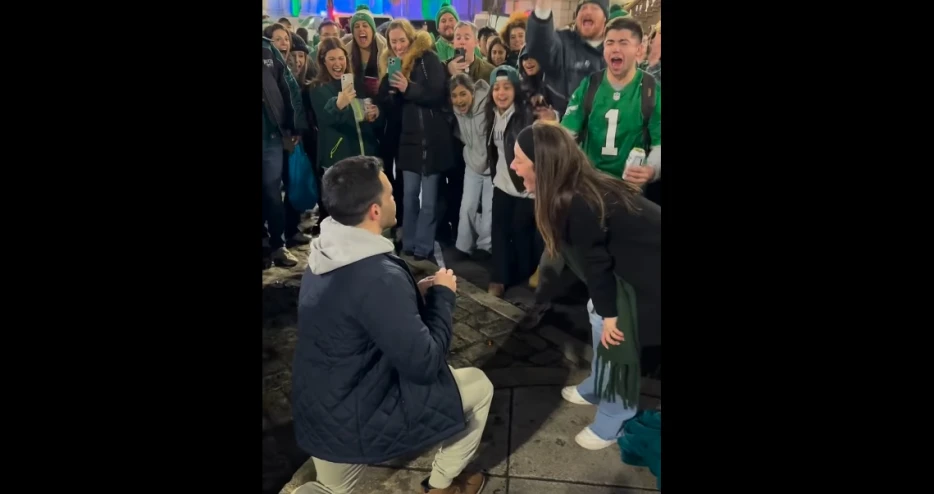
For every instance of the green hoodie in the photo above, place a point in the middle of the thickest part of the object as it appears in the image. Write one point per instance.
(339, 134)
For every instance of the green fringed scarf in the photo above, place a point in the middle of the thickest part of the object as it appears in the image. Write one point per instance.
(622, 377)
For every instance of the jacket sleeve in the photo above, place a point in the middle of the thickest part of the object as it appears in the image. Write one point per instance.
(325, 107)
(279, 71)
(416, 347)
(295, 100)
(544, 44)
(431, 93)
(587, 237)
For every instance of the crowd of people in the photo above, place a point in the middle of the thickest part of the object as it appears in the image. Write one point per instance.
(536, 147)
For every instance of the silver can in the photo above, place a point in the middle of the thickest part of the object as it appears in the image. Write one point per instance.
(636, 158)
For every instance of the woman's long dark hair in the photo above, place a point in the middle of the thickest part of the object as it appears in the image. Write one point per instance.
(493, 42)
(326, 45)
(521, 102)
(562, 171)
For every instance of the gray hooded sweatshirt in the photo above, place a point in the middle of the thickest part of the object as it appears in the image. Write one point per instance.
(340, 245)
(472, 127)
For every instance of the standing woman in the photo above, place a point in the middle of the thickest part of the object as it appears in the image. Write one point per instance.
(469, 99)
(417, 95)
(611, 237)
(340, 135)
(516, 243)
(365, 49)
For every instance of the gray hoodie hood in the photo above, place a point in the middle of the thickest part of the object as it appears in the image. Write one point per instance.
(472, 126)
(340, 245)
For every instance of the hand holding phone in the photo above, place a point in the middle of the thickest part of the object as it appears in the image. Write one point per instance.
(347, 93)
(395, 67)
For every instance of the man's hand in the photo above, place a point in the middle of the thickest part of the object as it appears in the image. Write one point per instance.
(458, 66)
(425, 284)
(639, 175)
(345, 97)
(541, 4)
(611, 335)
(445, 278)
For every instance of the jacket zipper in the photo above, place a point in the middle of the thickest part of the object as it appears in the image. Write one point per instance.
(421, 125)
(334, 149)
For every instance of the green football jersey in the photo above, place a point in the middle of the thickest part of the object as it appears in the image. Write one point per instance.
(614, 125)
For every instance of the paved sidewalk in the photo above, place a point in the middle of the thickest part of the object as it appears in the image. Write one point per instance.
(528, 445)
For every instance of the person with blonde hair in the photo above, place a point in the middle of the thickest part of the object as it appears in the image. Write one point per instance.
(417, 97)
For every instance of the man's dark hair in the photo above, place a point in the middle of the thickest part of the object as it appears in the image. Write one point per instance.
(621, 23)
(485, 32)
(328, 22)
(350, 187)
(286, 21)
(303, 33)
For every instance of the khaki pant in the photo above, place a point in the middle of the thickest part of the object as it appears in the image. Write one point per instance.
(455, 453)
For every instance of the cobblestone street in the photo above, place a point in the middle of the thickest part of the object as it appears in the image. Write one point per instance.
(528, 445)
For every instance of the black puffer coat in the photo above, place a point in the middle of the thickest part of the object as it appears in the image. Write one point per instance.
(425, 139)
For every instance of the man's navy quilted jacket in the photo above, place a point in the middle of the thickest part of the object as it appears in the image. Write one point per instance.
(370, 380)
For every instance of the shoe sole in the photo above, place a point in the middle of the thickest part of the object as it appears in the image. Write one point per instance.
(591, 448)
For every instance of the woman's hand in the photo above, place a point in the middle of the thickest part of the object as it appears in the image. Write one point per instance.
(372, 113)
(345, 97)
(399, 82)
(611, 335)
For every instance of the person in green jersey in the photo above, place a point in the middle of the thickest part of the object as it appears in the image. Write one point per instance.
(614, 125)
(614, 128)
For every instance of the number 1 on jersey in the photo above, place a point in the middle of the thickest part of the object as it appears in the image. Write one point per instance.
(612, 120)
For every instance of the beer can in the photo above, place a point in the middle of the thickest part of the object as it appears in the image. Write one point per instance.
(636, 158)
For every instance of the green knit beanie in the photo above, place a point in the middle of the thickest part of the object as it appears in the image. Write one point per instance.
(363, 14)
(603, 4)
(617, 11)
(445, 9)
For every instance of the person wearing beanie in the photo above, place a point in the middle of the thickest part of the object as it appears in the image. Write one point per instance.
(298, 60)
(516, 243)
(567, 56)
(610, 236)
(365, 48)
(446, 19)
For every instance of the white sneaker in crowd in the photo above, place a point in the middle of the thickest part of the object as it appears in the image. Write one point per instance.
(571, 394)
(588, 440)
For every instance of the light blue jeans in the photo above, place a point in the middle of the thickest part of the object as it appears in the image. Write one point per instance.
(478, 191)
(608, 424)
(420, 223)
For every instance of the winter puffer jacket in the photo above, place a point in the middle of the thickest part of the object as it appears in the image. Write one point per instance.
(425, 140)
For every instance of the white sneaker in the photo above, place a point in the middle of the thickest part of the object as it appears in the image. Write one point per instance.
(571, 394)
(588, 440)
